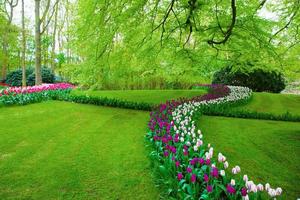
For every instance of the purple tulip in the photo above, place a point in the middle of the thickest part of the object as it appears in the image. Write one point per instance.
(179, 176)
(207, 162)
(244, 191)
(193, 178)
(201, 161)
(230, 189)
(166, 153)
(189, 170)
(215, 172)
(209, 188)
(177, 163)
(206, 178)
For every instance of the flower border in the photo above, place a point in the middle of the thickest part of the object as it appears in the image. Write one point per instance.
(187, 166)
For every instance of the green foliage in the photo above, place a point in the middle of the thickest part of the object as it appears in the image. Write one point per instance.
(14, 78)
(153, 56)
(257, 79)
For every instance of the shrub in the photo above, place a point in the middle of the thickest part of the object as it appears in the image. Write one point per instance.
(258, 80)
(14, 78)
(47, 76)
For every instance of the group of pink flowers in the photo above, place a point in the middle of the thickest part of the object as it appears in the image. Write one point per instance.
(34, 89)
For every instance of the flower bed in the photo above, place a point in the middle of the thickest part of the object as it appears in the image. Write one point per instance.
(32, 94)
(187, 166)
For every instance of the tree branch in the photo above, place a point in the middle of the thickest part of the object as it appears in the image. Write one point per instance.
(288, 23)
(229, 30)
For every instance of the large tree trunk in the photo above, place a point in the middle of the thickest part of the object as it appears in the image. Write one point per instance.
(38, 76)
(5, 59)
(24, 47)
(53, 39)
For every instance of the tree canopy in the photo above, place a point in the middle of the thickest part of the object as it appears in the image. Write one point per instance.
(175, 43)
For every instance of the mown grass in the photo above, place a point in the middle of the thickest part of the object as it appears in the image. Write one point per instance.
(60, 150)
(146, 96)
(268, 151)
(273, 103)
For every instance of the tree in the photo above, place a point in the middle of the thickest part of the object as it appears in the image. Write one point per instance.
(54, 38)
(11, 4)
(38, 33)
(23, 47)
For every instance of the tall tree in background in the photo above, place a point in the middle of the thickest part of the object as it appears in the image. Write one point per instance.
(23, 47)
(39, 32)
(54, 38)
(10, 4)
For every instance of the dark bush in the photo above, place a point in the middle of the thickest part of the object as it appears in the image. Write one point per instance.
(258, 80)
(14, 78)
(47, 76)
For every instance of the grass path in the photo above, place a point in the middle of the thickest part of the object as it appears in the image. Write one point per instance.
(146, 96)
(265, 150)
(273, 103)
(60, 150)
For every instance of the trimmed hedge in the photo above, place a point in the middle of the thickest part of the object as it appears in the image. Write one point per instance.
(104, 101)
(258, 80)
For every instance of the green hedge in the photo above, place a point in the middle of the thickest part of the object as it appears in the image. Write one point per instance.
(104, 101)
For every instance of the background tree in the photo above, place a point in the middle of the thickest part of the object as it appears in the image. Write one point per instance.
(39, 31)
(7, 7)
(23, 47)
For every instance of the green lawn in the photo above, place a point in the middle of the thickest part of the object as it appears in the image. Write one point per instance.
(147, 96)
(60, 150)
(273, 103)
(268, 151)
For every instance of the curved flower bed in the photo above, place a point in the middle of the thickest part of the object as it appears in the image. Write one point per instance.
(188, 166)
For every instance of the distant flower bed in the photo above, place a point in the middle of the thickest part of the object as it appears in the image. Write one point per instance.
(4, 84)
(33, 94)
(34, 89)
(188, 166)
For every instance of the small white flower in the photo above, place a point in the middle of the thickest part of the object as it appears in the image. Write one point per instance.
(222, 172)
(245, 178)
(267, 187)
(260, 187)
(278, 191)
(199, 143)
(246, 197)
(226, 165)
(195, 148)
(188, 143)
(232, 182)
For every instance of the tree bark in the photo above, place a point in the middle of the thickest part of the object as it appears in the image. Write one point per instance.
(53, 39)
(38, 75)
(5, 59)
(23, 48)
